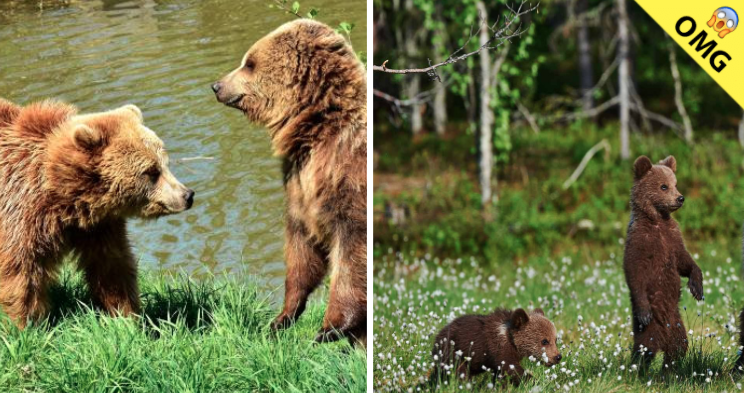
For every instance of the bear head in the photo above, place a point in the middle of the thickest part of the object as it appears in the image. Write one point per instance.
(302, 65)
(534, 335)
(109, 165)
(655, 190)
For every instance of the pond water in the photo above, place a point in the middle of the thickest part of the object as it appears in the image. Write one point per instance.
(162, 56)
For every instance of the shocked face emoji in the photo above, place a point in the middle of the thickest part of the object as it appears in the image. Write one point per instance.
(724, 21)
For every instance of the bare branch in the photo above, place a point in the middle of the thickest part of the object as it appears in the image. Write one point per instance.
(282, 5)
(678, 92)
(496, 39)
(603, 144)
(527, 115)
(418, 99)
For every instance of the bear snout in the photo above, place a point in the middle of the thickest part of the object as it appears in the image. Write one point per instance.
(558, 358)
(216, 87)
(681, 199)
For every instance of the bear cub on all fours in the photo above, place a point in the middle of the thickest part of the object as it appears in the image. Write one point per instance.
(69, 182)
(655, 258)
(494, 343)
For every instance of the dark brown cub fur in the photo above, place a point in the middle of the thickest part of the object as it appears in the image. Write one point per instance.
(655, 258)
(496, 343)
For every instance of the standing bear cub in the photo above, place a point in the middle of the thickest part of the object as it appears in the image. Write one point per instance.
(494, 343)
(655, 258)
(68, 184)
(306, 85)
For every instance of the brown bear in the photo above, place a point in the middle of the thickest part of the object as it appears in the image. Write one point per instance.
(306, 85)
(69, 182)
(739, 366)
(494, 343)
(655, 258)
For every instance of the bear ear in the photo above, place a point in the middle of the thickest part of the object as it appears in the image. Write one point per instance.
(133, 109)
(519, 319)
(641, 167)
(670, 162)
(332, 42)
(87, 137)
(538, 311)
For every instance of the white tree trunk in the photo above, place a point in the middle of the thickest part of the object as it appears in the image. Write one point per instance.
(678, 94)
(624, 79)
(440, 110)
(413, 87)
(485, 145)
(585, 58)
(440, 98)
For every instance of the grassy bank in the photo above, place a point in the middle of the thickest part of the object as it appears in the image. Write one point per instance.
(588, 301)
(209, 336)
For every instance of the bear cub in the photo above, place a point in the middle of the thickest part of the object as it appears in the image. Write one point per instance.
(496, 343)
(655, 258)
(69, 183)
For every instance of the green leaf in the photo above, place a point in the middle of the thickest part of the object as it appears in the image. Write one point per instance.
(313, 13)
(295, 7)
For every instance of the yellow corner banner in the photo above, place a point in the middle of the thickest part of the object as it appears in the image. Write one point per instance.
(708, 31)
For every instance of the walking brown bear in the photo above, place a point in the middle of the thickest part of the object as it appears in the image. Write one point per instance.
(304, 82)
(494, 343)
(655, 258)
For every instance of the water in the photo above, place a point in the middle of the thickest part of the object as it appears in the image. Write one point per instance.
(162, 56)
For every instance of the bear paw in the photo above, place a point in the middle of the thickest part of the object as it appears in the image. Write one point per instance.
(644, 317)
(696, 289)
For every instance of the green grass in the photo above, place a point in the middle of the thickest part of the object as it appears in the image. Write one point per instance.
(584, 295)
(557, 249)
(206, 336)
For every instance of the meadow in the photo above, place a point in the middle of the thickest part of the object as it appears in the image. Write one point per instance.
(549, 247)
(194, 336)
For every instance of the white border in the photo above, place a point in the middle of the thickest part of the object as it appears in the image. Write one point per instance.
(370, 184)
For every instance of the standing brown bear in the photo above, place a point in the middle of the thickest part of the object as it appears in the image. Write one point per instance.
(69, 182)
(655, 258)
(495, 343)
(306, 85)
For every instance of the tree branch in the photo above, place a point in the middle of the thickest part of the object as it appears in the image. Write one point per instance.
(496, 39)
(603, 144)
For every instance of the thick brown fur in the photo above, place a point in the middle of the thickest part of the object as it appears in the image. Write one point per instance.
(495, 343)
(655, 258)
(69, 182)
(306, 85)
(739, 366)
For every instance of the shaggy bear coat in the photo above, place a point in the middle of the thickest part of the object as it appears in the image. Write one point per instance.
(494, 343)
(69, 182)
(306, 85)
(655, 258)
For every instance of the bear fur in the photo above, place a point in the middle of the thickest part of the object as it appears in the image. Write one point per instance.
(494, 343)
(69, 182)
(306, 85)
(739, 366)
(655, 258)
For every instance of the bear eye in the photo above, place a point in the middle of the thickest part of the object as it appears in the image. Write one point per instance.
(545, 342)
(153, 173)
(664, 187)
(249, 65)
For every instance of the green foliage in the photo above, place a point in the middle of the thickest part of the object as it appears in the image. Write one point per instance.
(535, 215)
(208, 336)
(344, 28)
